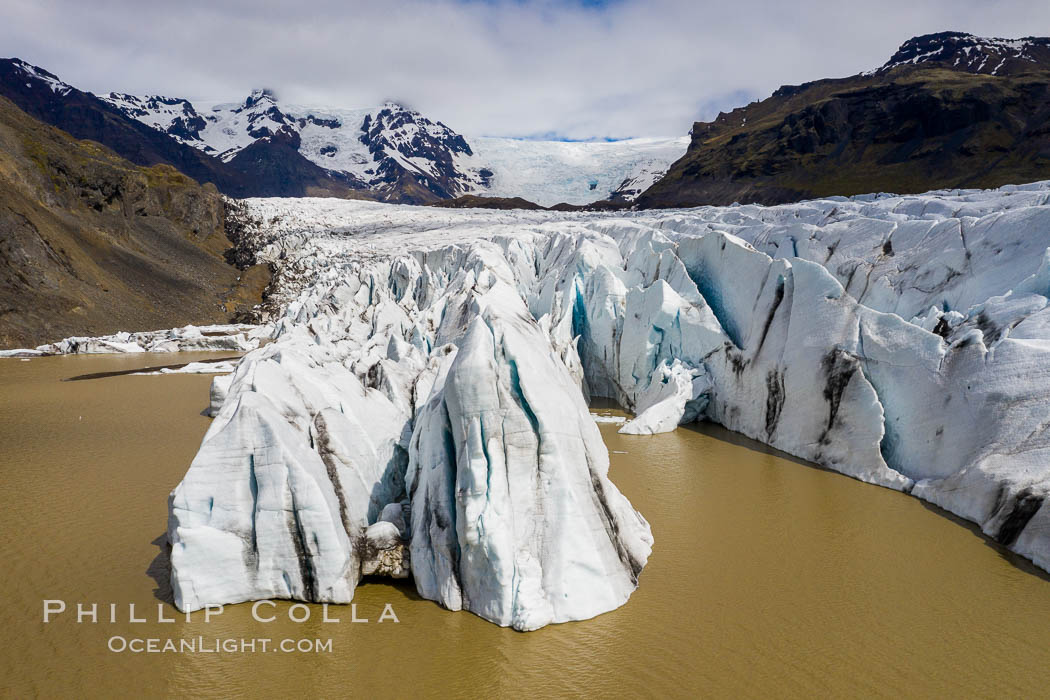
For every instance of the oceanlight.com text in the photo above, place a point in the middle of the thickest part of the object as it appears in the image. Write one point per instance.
(230, 645)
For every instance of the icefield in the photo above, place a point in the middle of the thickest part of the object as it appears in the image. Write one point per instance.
(574, 172)
(422, 408)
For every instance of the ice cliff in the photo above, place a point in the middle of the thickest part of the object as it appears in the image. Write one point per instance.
(422, 409)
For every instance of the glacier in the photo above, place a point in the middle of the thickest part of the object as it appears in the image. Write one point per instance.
(573, 172)
(421, 406)
(430, 406)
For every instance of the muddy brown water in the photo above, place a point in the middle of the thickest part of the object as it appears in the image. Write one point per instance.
(769, 577)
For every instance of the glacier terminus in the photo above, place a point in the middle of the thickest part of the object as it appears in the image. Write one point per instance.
(420, 407)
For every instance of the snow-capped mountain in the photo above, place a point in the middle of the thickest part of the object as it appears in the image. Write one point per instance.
(44, 96)
(388, 148)
(261, 147)
(973, 54)
(381, 149)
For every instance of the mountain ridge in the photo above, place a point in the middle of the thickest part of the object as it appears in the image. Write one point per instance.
(259, 146)
(972, 54)
(390, 149)
(923, 121)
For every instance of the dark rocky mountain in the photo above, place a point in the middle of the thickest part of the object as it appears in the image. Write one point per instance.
(948, 110)
(973, 54)
(43, 96)
(91, 243)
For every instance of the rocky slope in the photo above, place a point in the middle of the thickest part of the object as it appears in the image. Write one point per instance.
(947, 110)
(93, 244)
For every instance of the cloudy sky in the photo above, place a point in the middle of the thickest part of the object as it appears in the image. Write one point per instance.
(570, 68)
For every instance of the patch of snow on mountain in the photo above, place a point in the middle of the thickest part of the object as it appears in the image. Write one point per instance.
(39, 74)
(171, 115)
(331, 138)
(231, 127)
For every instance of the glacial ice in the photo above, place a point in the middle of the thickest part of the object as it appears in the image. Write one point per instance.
(422, 409)
(233, 337)
(443, 403)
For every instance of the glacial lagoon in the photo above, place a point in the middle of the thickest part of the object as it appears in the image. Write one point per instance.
(768, 575)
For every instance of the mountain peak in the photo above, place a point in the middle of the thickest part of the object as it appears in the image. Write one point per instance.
(395, 107)
(260, 95)
(37, 73)
(973, 54)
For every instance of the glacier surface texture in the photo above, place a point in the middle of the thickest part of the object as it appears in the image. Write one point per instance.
(422, 408)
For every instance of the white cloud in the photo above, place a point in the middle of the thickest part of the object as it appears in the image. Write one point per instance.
(512, 67)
